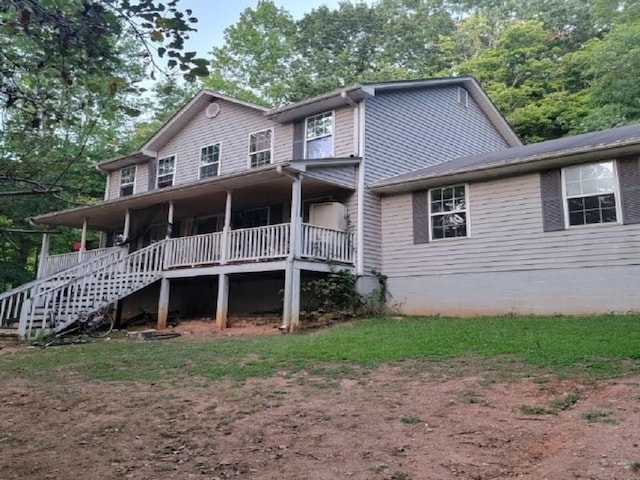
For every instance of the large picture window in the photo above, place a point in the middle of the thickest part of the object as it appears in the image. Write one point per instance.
(127, 180)
(590, 193)
(166, 171)
(319, 136)
(210, 161)
(260, 148)
(448, 212)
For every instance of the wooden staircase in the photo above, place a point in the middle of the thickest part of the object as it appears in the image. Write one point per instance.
(52, 304)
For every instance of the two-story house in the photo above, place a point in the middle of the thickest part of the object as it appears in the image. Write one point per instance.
(229, 203)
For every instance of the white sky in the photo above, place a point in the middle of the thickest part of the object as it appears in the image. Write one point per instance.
(216, 15)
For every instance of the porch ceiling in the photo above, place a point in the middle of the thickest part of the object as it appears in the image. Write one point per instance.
(263, 186)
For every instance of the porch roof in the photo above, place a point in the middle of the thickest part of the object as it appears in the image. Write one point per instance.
(251, 188)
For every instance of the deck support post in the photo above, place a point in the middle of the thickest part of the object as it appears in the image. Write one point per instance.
(44, 253)
(83, 239)
(224, 244)
(222, 307)
(291, 304)
(163, 304)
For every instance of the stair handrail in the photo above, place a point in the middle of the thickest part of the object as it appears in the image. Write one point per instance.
(154, 258)
(9, 305)
(66, 272)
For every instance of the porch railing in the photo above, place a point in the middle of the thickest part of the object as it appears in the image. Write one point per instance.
(57, 263)
(196, 250)
(327, 244)
(259, 243)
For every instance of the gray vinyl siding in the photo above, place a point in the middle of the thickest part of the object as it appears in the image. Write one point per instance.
(344, 176)
(231, 128)
(411, 129)
(345, 141)
(506, 234)
(114, 185)
(142, 177)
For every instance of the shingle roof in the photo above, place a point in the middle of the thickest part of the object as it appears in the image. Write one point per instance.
(526, 154)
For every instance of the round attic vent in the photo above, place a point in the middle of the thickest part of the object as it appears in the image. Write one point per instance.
(213, 110)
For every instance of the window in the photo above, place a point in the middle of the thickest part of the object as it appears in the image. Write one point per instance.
(166, 170)
(256, 217)
(260, 148)
(590, 194)
(210, 161)
(448, 212)
(319, 136)
(127, 180)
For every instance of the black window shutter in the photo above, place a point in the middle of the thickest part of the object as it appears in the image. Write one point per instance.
(420, 216)
(629, 175)
(552, 201)
(152, 174)
(298, 140)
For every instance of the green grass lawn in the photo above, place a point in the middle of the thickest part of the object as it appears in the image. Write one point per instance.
(594, 347)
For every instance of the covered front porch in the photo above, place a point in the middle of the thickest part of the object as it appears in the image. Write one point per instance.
(266, 221)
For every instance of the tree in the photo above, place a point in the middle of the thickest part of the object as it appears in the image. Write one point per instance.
(609, 67)
(65, 40)
(258, 55)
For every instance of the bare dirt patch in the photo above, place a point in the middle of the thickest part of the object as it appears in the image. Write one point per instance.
(391, 423)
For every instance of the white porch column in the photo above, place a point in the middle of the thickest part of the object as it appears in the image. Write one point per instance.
(224, 244)
(163, 304)
(222, 307)
(170, 220)
(44, 253)
(127, 225)
(296, 218)
(83, 239)
(291, 303)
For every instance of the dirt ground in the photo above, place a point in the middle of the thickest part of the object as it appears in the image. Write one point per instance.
(394, 423)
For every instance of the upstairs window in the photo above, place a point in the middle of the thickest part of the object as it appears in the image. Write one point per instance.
(166, 171)
(127, 180)
(260, 148)
(590, 194)
(319, 136)
(210, 161)
(448, 212)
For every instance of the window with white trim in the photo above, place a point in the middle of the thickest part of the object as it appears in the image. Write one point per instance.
(260, 144)
(319, 136)
(166, 171)
(210, 161)
(448, 214)
(127, 180)
(590, 193)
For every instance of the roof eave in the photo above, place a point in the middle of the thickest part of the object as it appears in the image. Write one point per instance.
(328, 101)
(122, 161)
